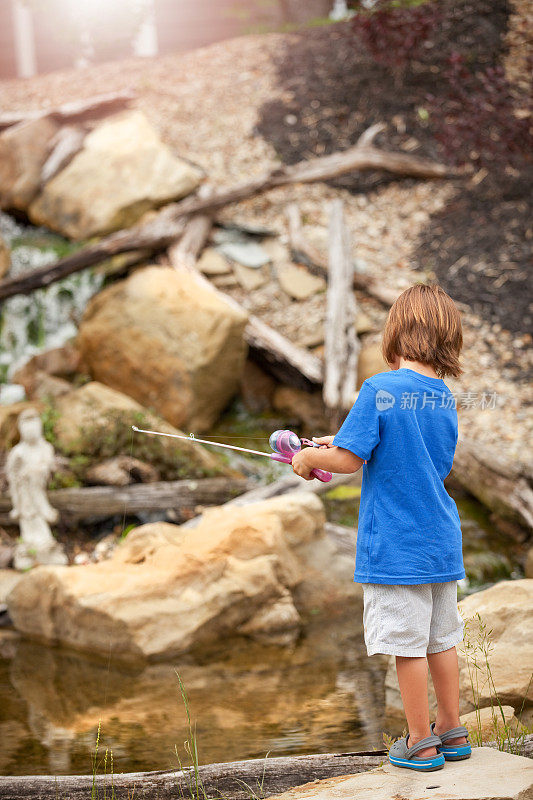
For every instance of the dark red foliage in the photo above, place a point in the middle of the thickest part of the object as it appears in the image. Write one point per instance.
(471, 111)
(473, 116)
(394, 36)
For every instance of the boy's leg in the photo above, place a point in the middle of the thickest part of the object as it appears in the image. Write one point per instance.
(444, 668)
(413, 680)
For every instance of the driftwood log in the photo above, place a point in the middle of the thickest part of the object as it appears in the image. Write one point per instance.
(341, 342)
(97, 502)
(503, 486)
(168, 225)
(80, 110)
(185, 252)
(265, 777)
(283, 359)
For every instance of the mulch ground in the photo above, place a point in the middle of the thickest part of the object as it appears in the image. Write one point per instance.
(332, 89)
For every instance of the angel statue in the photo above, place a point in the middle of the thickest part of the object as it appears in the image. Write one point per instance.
(28, 468)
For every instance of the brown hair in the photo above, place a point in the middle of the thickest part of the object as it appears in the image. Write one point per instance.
(424, 324)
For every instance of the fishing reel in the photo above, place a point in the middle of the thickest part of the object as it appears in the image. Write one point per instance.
(286, 443)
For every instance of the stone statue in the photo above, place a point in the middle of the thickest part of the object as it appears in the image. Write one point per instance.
(28, 468)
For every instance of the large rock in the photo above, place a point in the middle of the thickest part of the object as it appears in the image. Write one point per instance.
(123, 170)
(503, 615)
(169, 342)
(166, 588)
(370, 362)
(486, 724)
(95, 420)
(24, 149)
(487, 775)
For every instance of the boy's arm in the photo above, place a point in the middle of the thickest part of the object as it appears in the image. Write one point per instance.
(332, 459)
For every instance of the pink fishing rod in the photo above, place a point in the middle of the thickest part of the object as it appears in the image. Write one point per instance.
(284, 444)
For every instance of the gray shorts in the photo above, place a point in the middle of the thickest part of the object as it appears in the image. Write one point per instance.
(411, 620)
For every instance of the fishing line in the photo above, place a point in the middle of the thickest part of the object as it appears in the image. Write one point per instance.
(284, 444)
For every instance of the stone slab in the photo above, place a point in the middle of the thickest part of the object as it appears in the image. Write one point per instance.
(488, 774)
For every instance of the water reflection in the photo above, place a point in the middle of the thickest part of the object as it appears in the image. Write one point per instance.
(318, 695)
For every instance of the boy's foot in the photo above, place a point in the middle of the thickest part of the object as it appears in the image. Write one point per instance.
(427, 752)
(458, 740)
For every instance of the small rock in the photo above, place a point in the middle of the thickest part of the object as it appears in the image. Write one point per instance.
(249, 279)
(105, 548)
(121, 471)
(39, 385)
(213, 263)
(305, 407)
(249, 254)
(314, 338)
(363, 323)
(298, 282)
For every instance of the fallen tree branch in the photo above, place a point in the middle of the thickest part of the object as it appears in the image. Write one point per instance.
(101, 105)
(161, 231)
(186, 250)
(97, 502)
(341, 343)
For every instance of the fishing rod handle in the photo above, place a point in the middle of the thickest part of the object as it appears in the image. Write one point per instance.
(319, 474)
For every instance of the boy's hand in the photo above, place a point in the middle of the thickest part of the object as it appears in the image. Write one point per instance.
(300, 464)
(323, 441)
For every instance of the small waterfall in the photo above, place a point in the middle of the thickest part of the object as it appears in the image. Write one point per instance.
(46, 318)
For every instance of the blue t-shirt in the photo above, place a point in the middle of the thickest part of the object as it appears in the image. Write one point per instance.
(404, 425)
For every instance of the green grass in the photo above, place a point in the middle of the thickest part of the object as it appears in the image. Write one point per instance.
(477, 649)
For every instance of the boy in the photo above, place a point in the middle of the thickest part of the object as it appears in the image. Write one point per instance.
(403, 428)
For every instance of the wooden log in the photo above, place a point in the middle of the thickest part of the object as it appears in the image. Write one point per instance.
(99, 106)
(67, 142)
(97, 502)
(160, 232)
(184, 253)
(341, 342)
(283, 359)
(235, 780)
(503, 486)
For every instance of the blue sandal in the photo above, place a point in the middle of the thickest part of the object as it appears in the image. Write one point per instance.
(402, 756)
(453, 752)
